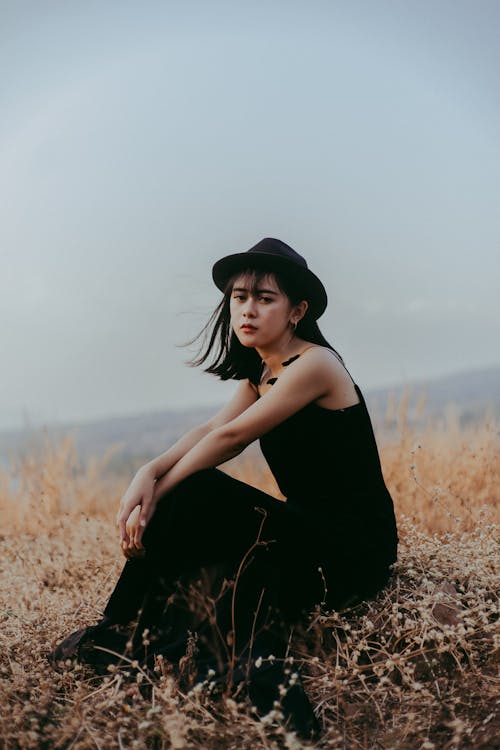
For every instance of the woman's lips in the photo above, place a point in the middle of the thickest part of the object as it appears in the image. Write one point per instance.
(248, 329)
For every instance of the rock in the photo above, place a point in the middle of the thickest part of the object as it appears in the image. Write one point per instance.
(447, 613)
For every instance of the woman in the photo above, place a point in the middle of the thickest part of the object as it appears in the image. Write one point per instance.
(331, 543)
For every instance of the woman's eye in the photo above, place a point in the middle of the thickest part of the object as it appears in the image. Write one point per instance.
(266, 299)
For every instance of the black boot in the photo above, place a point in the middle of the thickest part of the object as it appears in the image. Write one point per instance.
(264, 692)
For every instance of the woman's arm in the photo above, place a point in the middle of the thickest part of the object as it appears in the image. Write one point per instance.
(245, 395)
(143, 490)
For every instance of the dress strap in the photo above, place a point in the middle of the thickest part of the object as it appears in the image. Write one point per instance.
(343, 365)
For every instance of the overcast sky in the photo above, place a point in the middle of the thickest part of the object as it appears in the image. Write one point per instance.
(140, 142)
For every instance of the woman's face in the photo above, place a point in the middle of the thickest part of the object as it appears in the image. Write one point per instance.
(260, 316)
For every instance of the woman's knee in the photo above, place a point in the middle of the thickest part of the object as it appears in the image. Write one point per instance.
(208, 507)
(200, 481)
(175, 509)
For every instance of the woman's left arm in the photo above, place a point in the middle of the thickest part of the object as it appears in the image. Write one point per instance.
(310, 378)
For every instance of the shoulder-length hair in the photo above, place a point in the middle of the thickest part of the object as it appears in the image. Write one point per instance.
(230, 359)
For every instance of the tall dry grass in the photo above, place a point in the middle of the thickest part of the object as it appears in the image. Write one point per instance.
(414, 668)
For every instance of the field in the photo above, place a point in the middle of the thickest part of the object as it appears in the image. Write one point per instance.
(412, 669)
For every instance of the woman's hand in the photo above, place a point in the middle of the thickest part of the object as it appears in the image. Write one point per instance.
(139, 494)
(134, 548)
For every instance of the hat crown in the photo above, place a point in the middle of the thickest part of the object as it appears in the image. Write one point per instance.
(272, 246)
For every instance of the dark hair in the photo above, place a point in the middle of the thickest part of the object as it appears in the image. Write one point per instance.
(232, 360)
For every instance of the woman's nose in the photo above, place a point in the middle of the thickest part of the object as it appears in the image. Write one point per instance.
(249, 307)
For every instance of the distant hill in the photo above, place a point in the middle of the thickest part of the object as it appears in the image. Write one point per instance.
(471, 393)
(138, 438)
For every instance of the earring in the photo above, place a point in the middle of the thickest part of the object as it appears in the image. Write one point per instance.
(293, 326)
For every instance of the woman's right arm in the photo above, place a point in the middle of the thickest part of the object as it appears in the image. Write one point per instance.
(244, 397)
(141, 489)
(159, 466)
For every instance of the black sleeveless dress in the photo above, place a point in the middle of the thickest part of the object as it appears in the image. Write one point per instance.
(331, 543)
(327, 465)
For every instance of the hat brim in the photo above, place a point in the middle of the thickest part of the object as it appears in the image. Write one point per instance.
(313, 289)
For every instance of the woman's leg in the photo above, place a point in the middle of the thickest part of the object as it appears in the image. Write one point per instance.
(210, 517)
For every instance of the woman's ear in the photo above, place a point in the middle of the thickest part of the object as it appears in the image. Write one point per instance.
(301, 309)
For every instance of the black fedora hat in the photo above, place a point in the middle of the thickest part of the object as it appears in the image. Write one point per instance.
(274, 255)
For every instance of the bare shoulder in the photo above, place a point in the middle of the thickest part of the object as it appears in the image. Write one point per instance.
(339, 387)
(318, 355)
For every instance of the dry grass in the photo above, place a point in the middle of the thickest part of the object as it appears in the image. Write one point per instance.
(412, 669)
